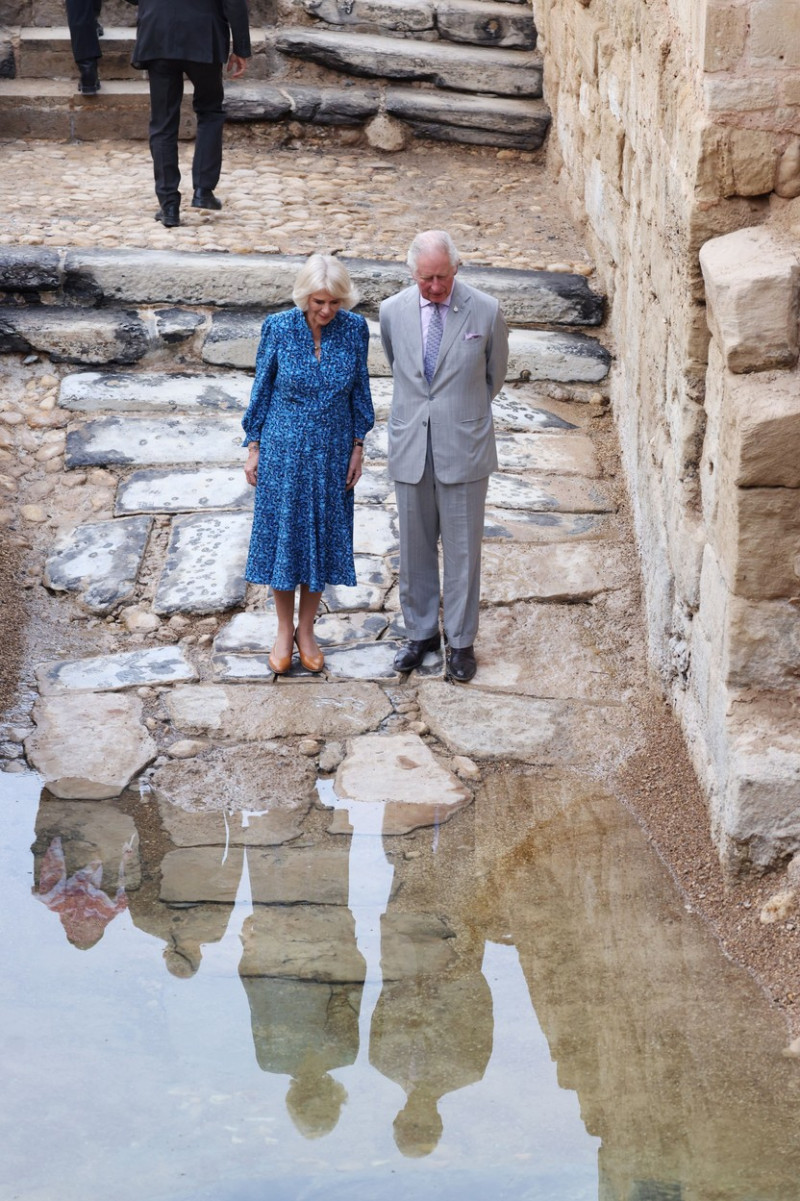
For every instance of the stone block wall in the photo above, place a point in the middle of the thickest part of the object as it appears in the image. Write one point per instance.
(675, 123)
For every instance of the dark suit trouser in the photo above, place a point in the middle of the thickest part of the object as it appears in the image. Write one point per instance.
(82, 20)
(166, 93)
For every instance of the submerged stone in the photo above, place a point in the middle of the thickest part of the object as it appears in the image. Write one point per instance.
(101, 560)
(400, 772)
(89, 746)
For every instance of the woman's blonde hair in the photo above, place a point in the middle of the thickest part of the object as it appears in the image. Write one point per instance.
(324, 273)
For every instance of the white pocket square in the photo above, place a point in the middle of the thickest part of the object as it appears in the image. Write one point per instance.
(470, 337)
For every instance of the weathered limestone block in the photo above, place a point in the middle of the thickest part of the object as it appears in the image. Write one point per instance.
(724, 35)
(752, 284)
(774, 34)
(108, 673)
(756, 536)
(204, 568)
(101, 560)
(762, 798)
(752, 160)
(320, 106)
(484, 23)
(302, 942)
(759, 432)
(787, 179)
(89, 746)
(281, 876)
(255, 712)
(29, 269)
(446, 65)
(74, 335)
(396, 16)
(181, 391)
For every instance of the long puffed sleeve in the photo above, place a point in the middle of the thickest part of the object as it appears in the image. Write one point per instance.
(261, 394)
(361, 397)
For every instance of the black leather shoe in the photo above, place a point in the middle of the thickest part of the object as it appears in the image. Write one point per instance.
(204, 198)
(461, 665)
(169, 215)
(100, 30)
(412, 654)
(89, 82)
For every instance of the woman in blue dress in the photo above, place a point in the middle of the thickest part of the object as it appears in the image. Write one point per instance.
(310, 409)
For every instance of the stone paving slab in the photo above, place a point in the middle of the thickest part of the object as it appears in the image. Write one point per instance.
(313, 875)
(254, 713)
(550, 652)
(204, 569)
(143, 441)
(89, 746)
(315, 943)
(375, 530)
(162, 391)
(101, 560)
(518, 525)
(512, 412)
(374, 581)
(375, 487)
(363, 661)
(554, 572)
(553, 453)
(403, 775)
(490, 725)
(108, 673)
(74, 335)
(248, 633)
(154, 491)
(532, 493)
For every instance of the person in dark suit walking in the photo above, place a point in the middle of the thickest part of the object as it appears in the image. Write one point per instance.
(85, 31)
(192, 38)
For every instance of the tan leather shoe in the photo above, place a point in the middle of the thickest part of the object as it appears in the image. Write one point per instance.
(313, 663)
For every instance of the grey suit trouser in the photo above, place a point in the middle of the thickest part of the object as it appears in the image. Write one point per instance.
(428, 511)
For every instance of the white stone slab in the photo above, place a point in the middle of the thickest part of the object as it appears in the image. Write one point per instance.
(253, 712)
(401, 773)
(101, 560)
(381, 389)
(154, 491)
(555, 572)
(107, 673)
(146, 441)
(364, 661)
(375, 487)
(550, 454)
(511, 412)
(127, 391)
(521, 525)
(508, 491)
(204, 569)
(375, 531)
(376, 444)
(374, 578)
(89, 746)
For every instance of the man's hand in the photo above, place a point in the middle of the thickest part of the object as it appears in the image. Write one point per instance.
(236, 66)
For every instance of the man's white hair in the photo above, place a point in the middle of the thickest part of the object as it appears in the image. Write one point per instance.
(432, 241)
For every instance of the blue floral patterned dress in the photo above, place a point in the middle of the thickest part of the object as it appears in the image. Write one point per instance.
(305, 414)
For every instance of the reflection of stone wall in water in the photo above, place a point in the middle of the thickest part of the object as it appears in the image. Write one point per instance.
(673, 124)
(670, 1048)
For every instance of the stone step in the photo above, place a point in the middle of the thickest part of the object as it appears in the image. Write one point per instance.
(480, 22)
(54, 110)
(262, 282)
(446, 65)
(47, 54)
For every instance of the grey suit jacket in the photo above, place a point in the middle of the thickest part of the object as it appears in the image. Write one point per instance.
(457, 403)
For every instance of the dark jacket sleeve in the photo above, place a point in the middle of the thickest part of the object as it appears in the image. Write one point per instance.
(238, 18)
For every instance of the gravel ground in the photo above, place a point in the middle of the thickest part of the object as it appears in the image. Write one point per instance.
(503, 209)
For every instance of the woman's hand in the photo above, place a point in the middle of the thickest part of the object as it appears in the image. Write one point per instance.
(251, 465)
(354, 468)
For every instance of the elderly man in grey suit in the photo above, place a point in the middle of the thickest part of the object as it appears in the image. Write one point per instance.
(447, 345)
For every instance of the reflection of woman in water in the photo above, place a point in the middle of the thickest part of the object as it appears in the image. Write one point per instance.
(85, 910)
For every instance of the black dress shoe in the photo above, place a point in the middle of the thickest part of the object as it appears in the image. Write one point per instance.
(100, 30)
(89, 82)
(204, 198)
(461, 665)
(169, 215)
(412, 654)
